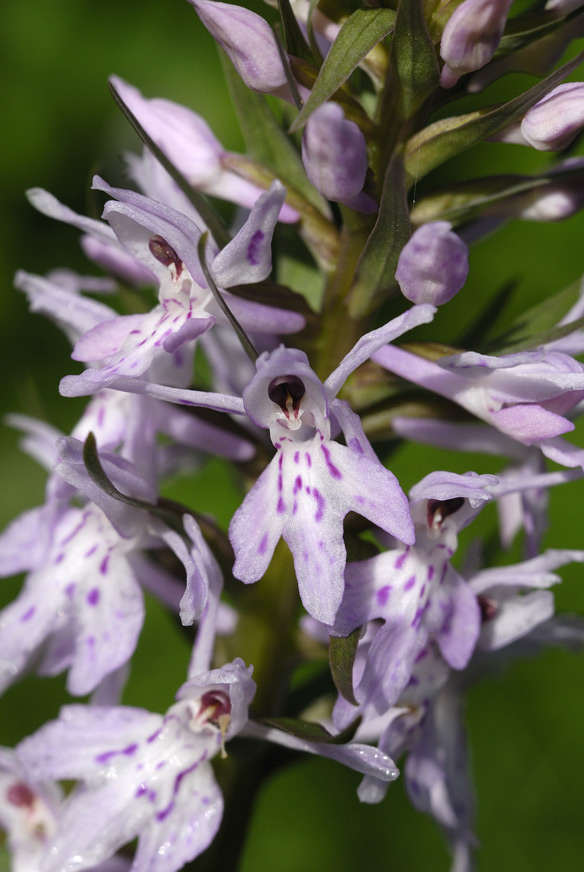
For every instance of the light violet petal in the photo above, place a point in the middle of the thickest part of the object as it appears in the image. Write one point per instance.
(23, 544)
(248, 257)
(177, 838)
(362, 758)
(530, 423)
(459, 633)
(67, 748)
(258, 318)
(106, 338)
(537, 572)
(204, 399)
(109, 613)
(256, 527)
(515, 618)
(50, 206)
(373, 341)
(372, 490)
(72, 312)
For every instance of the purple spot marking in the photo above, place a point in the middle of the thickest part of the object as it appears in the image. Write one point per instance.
(280, 461)
(280, 483)
(28, 614)
(422, 591)
(336, 473)
(141, 790)
(417, 617)
(410, 582)
(176, 787)
(59, 557)
(356, 445)
(430, 573)
(413, 681)
(308, 458)
(253, 248)
(103, 564)
(401, 560)
(281, 506)
(423, 653)
(93, 596)
(297, 457)
(91, 641)
(320, 504)
(69, 589)
(383, 594)
(101, 416)
(297, 484)
(263, 544)
(127, 752)
(91, 551)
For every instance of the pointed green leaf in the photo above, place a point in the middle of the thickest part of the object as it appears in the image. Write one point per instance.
(378, 263)
(413, 58)
(524, 30)
(342, 653)
(448, 137)
(205, 210)
(266, 142)
(308, 731)
(538, 339)
(358, 35)
(462, 201)
(539, 324)
(293, 36)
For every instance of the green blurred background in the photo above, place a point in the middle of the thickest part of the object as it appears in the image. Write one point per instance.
(60, 126)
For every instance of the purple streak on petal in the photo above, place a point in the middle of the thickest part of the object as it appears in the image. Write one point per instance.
(410, 582)
(281, 506)
(28, 614)
(399, 563)
(103, 565)
(336, 473)
(176, 786)
(107, 755)
(320, 504)
(263, 544)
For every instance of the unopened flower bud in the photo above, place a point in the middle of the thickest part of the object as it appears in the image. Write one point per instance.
(471, 37)
(248, 41)
(556, 120)
(433, 264)
(334, 153)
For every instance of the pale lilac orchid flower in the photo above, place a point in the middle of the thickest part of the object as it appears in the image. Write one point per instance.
(165, 242)
(524, 395)
(313, 481)
(144, 775)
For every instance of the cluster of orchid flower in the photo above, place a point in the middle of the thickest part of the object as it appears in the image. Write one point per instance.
(407, 632)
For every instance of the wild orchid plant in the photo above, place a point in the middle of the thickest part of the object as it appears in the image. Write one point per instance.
(302, 387)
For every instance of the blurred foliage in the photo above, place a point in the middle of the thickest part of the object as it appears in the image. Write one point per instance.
(60, 126)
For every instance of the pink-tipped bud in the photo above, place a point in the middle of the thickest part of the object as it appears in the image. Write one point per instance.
(433, 264)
